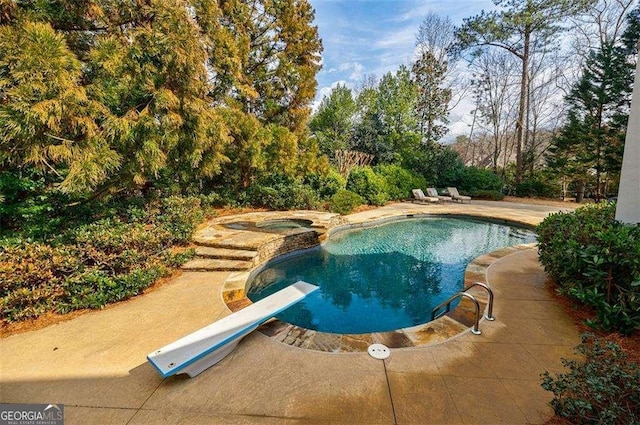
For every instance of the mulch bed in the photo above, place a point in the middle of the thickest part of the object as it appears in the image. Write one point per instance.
(580, 314)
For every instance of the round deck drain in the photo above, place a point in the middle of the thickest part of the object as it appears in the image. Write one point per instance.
(379, 351)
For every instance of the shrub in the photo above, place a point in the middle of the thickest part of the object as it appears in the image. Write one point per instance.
(492, 195)
(534, 186)
(604, 388)
(400, 181)
(325, 186)
(87, 267)
(595, 259)
(472, 179)
(345, 201)
(280, 192)
(32, 276)
(366, 183)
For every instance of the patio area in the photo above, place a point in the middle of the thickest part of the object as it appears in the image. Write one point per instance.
(95, 363)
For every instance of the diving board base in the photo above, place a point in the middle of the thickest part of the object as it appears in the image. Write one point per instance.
(209, 360)
(205, 347)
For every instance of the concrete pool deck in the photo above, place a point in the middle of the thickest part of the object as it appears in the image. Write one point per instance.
(95, 363)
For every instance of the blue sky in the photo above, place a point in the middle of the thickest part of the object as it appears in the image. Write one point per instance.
(377, 36)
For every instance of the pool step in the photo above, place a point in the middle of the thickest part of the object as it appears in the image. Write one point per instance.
(215, 264)
(225, 253)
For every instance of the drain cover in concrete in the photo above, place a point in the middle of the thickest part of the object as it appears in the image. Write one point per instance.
(379, 351)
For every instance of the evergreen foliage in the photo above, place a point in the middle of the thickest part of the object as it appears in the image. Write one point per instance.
(345, 201)
(432, 104)
(90, 265)
(602, 387)
(334, 120)
(366, 183)
(398, 121)
(521, 28)
(100, 97)
(592, 139)
(595, 259)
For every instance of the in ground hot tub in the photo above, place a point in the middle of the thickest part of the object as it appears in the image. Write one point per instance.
(283, 224)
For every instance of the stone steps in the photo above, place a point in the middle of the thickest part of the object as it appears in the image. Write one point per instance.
(225, 253)
(217, 258)
(214, 265)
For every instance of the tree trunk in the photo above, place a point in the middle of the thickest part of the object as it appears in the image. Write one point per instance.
(522, 108)
(580, 194)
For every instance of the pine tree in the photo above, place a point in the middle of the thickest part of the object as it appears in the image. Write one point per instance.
(47, 120)
(600, 100)
(432, 106)
(333, 122)
(520, 28)
(107, 94)
(281, 61)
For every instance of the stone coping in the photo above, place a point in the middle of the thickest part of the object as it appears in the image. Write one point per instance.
(251, 236)
(458, 321)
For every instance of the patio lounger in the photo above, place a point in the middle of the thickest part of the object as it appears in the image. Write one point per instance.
(202, 349)
(456, 196)
(419, 196)
(432, 192)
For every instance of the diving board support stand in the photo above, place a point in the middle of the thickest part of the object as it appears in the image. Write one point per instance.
(205, 347)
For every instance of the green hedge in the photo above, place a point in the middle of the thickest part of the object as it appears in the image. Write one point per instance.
(89, 266)
(399, 181)
(472, 179)
(325, 185)
(595, 259)
(538, 187)
(366, 183)
(280, 192)
(345, 201)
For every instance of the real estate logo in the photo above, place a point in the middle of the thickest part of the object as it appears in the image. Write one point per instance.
(31, 414)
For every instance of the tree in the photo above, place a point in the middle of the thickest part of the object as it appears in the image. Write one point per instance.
(567, 155)
(332, 124)
(370, 134)
(601, 23)
(496, 72)
(523, 27)
(47, 120)
(386, 122)
(432, 105)
(601, 101)
(104, 95)
(436, 35)
(396, 101)
(440, 84)
(599, 105)
(280, 56)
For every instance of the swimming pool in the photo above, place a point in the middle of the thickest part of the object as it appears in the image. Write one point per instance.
(385, 277)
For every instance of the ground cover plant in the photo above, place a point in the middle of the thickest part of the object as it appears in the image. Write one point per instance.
(109, 259)
(601, 387)
(595, 259)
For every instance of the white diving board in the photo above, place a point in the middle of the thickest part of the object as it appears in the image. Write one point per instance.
(205, 347)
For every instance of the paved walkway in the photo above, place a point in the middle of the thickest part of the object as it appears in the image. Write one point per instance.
(95, 364)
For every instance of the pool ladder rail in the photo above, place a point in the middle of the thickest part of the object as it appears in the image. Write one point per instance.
(463, 294)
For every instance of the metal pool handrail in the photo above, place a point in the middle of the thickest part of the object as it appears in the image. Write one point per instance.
(463, 294)
(489, 315)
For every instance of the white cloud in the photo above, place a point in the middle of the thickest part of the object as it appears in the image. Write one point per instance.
(400, 38)
(456, 11)
(356, 69)
(326, 91)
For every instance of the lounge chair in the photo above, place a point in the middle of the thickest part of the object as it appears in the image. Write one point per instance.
(419, 196)
(456, 196)
(432, 192)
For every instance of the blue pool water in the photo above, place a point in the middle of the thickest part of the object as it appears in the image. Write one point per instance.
(385, 277)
